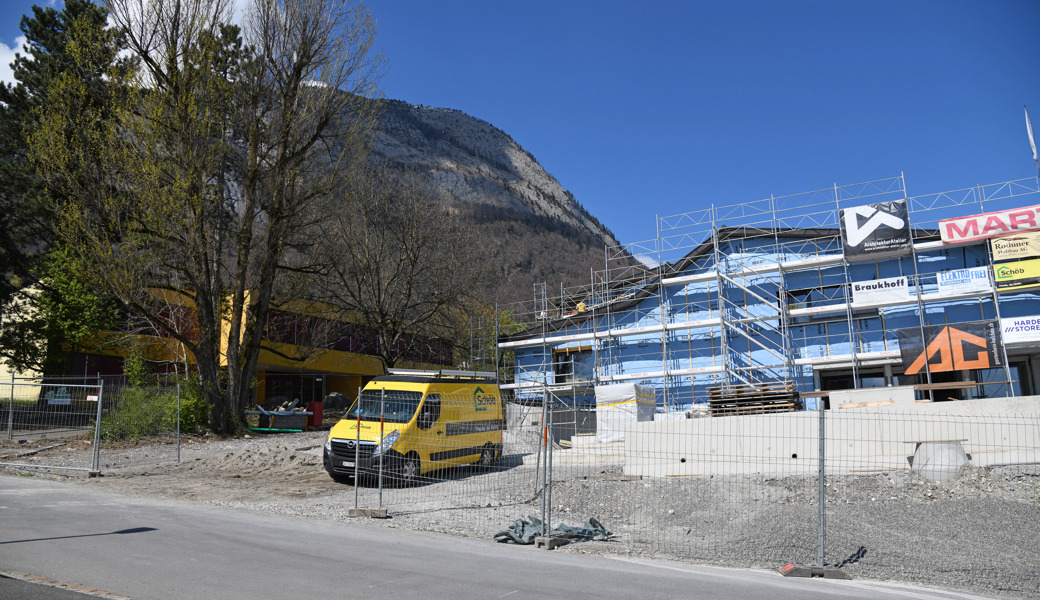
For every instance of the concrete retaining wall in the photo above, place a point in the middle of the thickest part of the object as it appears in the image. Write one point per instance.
(994, 431)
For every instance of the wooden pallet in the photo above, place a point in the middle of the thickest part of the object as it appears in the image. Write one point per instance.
(776, 396)
(755, 409)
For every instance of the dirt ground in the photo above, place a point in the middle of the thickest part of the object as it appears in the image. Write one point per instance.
(210, 468)
(976, 533)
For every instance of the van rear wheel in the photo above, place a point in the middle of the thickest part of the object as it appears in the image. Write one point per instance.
(487, 457)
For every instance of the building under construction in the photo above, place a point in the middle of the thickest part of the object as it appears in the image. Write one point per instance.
(774, 304)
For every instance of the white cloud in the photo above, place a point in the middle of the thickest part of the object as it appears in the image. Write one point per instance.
(239, 8)
(7, 57)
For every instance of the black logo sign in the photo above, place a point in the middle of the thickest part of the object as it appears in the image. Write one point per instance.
(875, 231)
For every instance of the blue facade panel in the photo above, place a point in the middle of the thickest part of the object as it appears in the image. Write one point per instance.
(752, 310)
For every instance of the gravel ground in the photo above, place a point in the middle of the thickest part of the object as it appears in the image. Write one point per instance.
(976, 533)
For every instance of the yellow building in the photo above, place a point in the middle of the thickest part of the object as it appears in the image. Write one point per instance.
(305, 356)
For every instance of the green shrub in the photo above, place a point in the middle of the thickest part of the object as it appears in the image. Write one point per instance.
(141, 412)
(138, 413)
(136, 369)
(194, 410)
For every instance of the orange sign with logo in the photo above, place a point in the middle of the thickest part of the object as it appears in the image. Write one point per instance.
(956, 347)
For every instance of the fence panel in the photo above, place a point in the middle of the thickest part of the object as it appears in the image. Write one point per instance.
(732, 490)
(50, 424)
(54, 423)
(450, 468)
(915, 495)
(140, 425)
(746, 490)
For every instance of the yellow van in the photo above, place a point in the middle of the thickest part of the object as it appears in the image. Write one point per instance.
(412, 422)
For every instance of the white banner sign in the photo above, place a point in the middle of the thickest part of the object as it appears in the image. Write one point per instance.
(978, 227)
(964, 281)
(1020, 329)
(1022, 245)
(893, 289)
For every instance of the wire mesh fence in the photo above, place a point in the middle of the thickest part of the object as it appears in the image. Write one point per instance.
(945, 494)
(93, 423)
(51, 424)
(454, 455)
(953, 494)
(141, 415)
(881, 493)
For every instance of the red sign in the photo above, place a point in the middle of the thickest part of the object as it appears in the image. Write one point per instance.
(987, 225)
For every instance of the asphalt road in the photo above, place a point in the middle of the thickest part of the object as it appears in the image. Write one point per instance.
(155, 550)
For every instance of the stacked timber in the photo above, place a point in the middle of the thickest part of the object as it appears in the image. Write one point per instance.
(753, 398)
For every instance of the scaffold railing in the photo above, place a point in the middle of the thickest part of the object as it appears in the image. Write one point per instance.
(680, 287)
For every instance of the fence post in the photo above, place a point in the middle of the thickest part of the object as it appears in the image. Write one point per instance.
(382, 399)
(547, 523)
(95, 466)
(178, 420)
(543, 450)
(821, 476)
(540, 445)
(10, 412)
(357, 446)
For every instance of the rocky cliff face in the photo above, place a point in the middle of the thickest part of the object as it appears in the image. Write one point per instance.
(540, 233)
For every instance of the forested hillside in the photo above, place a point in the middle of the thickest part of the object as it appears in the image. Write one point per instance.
(538, 231)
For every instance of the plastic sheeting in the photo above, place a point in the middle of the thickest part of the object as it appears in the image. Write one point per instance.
(524, 532)
(621, 404)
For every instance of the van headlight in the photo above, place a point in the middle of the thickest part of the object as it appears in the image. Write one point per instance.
(328, 444)
(387, 443)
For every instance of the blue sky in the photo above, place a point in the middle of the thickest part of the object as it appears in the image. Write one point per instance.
(655, 108)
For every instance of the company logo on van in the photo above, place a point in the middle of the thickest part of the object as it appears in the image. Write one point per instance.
(482, 400)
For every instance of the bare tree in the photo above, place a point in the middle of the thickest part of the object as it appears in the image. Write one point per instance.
(215, 177)
(403, 265)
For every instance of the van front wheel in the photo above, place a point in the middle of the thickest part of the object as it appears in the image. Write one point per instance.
(410, 470)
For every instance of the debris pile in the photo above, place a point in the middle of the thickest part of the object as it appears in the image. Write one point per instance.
(524, 532)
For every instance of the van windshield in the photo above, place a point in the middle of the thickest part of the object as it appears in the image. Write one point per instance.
(398, 406)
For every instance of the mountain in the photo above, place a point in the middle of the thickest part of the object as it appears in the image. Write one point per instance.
(539, 232)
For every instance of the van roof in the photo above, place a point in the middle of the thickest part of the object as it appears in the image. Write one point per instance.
(429, 379)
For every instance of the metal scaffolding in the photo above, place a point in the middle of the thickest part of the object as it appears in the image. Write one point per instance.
(730, 292)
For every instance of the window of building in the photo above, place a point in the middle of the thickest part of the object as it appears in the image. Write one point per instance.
(573, 365)
(823, 295)
(563, 367)
(843, 380)
(977, 383)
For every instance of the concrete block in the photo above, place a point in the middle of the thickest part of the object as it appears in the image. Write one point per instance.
(372, 513)
(792, 570)
(549, 542)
